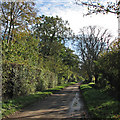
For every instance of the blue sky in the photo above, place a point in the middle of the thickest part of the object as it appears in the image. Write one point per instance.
(68, 10)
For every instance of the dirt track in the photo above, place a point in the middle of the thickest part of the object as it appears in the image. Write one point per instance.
(67, 103)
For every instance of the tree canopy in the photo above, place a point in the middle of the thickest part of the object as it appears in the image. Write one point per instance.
(52, 32)
(16, 17)
(34, 54)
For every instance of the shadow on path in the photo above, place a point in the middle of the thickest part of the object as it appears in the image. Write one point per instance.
(66, 104)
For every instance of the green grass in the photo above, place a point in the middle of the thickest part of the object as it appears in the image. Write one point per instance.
(13, 105)
(100, 104)
(58, 88)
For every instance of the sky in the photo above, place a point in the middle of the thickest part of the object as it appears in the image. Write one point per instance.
(68, 10)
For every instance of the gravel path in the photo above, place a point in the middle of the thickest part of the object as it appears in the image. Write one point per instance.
(67, 103)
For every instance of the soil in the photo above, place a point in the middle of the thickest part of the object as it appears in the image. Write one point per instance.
(65, 104)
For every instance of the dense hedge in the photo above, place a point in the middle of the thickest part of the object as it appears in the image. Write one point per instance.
(19, 79)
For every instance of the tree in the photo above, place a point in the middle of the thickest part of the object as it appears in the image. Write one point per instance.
(52, 32)
(15, 17)
(70, 58)
(90, 43)
(99, 7)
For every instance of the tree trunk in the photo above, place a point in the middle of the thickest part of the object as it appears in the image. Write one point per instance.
(96, 79)
(90, 79)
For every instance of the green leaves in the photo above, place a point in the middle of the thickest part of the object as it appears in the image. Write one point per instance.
(16, 16)
(108, 65)
(38, 59)
(52, 31)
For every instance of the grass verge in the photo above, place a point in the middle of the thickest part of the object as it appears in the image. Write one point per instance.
(58, 88)
(100, 104)
(13, 105)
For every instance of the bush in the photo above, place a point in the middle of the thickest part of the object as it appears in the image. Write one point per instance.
(17, 80)
(109, 68)
(20, 80)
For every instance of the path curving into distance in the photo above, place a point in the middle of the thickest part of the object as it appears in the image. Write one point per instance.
(67, 103)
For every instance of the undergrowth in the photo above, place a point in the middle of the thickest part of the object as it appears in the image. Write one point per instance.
(100, 104)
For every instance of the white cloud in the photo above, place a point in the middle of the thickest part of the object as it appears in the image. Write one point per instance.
(74, 14)
(39, 2)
